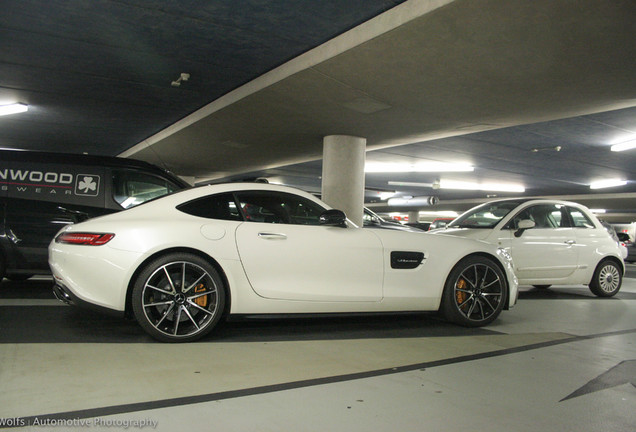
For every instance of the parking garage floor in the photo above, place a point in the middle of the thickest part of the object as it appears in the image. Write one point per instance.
(561, 360)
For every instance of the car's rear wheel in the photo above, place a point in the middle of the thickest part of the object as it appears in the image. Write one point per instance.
(475, 292)
(607, 279)
(178, 298)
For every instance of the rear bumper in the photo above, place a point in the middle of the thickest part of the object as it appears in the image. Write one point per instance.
(66, 296)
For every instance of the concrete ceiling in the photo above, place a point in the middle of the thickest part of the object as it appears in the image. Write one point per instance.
(477, 81)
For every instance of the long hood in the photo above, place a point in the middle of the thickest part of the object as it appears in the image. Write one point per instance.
(472, 233)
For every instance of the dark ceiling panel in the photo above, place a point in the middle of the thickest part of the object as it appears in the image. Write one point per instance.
(98, 73)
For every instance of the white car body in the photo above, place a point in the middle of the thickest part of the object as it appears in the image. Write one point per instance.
(566, 254)
(267, 268)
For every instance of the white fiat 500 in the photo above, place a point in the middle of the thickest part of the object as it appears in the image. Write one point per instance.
(551, 242)
(180, 263)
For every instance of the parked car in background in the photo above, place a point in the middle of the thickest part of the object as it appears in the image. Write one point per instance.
(180, 263)
(41, 192)
(424, 226)
(372, 220)
(615, 236)
(440, 223)
(551, 242)
(630, 246)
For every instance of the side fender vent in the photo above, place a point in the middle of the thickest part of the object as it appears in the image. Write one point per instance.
(406, 260)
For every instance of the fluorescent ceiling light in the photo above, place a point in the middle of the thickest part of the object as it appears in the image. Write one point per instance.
(601, 184)
(413, 184)
(464, 185)
(627, 145)
(13, 109)
(598, 211)
(384, 167)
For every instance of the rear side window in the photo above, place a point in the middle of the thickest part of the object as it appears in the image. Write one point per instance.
(279, 207)
(132, 188)
(220, 206)
(580, 219)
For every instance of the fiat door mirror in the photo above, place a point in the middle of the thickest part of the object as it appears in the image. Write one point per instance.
(523, 225)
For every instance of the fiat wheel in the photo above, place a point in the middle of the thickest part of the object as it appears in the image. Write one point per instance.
(178, 298)
(475, 292)
(607, 279)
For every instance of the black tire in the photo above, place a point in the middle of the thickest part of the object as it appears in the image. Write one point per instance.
(179, 297)
(475, 292)
(607, 279)
(542, 286)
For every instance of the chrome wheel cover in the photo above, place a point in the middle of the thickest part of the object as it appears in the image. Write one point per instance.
(609, 278)
(180, 299)
(478, 292)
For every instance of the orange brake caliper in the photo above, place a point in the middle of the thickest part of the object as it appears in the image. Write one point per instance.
(203, 300)
(460, 295)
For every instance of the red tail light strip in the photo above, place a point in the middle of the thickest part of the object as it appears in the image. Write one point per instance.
(87, 239)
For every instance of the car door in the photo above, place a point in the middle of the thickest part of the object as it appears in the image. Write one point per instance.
(287, 255)
(547, 252)
(589, 238)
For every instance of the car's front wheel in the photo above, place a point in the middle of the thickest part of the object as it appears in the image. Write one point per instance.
(475, 292)
(178, 298)
(607, 279)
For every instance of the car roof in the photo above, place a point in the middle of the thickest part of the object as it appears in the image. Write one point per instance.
(534, 201)
(211, 189)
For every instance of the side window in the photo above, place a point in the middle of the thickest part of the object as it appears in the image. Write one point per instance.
(544, 216)
(580, 219)
(220, 206)
(278, 207)
(132, 188)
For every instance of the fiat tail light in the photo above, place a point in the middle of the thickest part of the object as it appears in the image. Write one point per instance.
(87, 239)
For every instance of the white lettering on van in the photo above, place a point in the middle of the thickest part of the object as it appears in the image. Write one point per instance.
(19, 175)
(36, 176)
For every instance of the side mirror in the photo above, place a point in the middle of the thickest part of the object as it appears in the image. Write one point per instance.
(523, 225)
(333, 218)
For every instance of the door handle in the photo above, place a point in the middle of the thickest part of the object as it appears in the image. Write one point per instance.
(570, 242)
(272, 236)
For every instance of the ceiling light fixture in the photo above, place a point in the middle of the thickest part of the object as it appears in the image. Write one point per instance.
(602, 184)
(13, 109)
(464, 185)
(384, 167)
(627, 145)
(414, 201)
(540, 149)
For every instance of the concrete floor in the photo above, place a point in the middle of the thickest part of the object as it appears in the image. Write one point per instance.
(561, 360)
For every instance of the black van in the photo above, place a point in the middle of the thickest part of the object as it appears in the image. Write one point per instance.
(41, 192)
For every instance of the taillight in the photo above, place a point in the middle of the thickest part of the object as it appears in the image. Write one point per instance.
(87, 239)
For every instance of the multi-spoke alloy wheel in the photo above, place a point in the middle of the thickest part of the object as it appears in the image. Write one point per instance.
(475, 292)
(607, 279)
(178, 298)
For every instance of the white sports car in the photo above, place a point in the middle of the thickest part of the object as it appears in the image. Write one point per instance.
(182, 262)
(551, 242)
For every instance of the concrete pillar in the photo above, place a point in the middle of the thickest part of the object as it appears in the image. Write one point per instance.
(343, 174)
(414, 216)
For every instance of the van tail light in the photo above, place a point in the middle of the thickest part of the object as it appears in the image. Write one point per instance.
(87, 239)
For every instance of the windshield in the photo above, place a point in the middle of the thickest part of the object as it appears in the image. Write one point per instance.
(485, 216)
